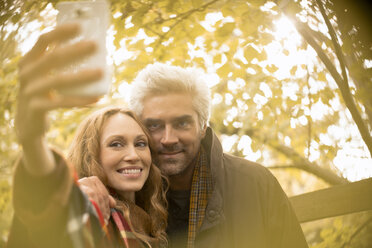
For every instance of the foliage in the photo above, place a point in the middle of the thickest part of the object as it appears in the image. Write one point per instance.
(342, 232)
(281, 112)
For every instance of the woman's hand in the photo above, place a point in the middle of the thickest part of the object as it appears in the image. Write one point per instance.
(97, 192)
(40, 81)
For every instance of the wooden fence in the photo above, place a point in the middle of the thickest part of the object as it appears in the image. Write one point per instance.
(334, 201)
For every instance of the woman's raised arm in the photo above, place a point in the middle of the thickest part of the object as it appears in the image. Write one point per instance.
(40, 79)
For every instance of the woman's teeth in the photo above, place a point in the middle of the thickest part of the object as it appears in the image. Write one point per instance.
(130, 171)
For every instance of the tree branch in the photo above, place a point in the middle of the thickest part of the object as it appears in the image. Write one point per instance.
(304, 164)
(337, 47)
(280, 167)
(345, 91)
(179, 18)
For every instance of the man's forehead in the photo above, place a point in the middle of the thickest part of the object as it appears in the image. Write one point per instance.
(169, 106)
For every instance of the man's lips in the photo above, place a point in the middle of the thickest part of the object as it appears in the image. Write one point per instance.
(170, 154)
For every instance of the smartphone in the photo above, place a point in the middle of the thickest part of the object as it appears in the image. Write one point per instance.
(93, 17)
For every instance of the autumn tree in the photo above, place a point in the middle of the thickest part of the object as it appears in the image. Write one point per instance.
(286, 113)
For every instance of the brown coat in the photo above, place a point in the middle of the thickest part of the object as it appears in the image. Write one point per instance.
(248, 207)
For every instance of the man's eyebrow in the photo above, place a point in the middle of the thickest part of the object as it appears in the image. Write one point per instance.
(183, 118)
(151, 120)
(178, 118)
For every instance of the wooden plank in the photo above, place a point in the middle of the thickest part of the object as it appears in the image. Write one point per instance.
(334, 201)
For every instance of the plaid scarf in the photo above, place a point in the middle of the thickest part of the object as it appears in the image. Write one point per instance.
(201, 190)
(129, 239)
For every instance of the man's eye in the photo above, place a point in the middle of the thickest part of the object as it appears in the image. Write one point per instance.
(153, 126)
(183, 124)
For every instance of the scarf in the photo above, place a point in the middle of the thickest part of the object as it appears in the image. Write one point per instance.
(128, 237)
(201, 190)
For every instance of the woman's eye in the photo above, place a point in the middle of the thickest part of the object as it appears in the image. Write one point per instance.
(141, 144)
(116, 144)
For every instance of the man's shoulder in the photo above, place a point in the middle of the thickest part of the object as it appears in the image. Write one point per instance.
(243, 165)
(237, 168)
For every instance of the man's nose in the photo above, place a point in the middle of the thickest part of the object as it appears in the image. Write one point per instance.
(169, 136)
(131, 155)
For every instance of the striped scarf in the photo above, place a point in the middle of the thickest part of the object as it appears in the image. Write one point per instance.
(201, 190)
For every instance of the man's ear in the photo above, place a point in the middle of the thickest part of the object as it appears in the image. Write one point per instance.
(204, 131)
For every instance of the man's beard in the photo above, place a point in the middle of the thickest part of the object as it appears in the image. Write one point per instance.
(173, 167)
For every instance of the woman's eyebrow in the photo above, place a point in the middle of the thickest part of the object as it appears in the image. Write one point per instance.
(114, 136)
(141, 136)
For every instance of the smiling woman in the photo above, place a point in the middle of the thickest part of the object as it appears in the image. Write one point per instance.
(113, 145)
(50, 208)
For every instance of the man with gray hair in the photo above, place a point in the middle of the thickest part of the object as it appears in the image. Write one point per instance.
(215, 199)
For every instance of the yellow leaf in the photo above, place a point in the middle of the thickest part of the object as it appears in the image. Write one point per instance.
(226, 29)
(197, 3)
(250, 53)
(224, 70)
(262, 55)
(322, 76)
(257, 3)
(227, 11)
(293, 70)
(271, 68)
(217, 58)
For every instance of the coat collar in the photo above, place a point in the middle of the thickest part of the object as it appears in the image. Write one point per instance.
(214, 212)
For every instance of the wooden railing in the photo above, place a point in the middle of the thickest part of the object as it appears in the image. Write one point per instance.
(334, 201)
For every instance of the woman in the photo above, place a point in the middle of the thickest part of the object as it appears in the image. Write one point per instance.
(113, 145)
(50, 209)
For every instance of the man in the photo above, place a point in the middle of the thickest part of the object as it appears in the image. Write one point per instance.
(215, 199)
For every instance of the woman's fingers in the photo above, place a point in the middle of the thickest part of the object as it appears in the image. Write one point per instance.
(56, 59)
(43, 104)
(59, 34)
(97, 192)
(43, 85)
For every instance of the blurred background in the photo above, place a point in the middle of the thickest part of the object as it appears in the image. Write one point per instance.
(291, 85)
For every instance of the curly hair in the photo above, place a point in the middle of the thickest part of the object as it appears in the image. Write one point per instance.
(84, 155)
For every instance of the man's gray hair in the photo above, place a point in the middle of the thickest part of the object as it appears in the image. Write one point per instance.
(158, 79)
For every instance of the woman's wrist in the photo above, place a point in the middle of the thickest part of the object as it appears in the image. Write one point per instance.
(38, 158)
